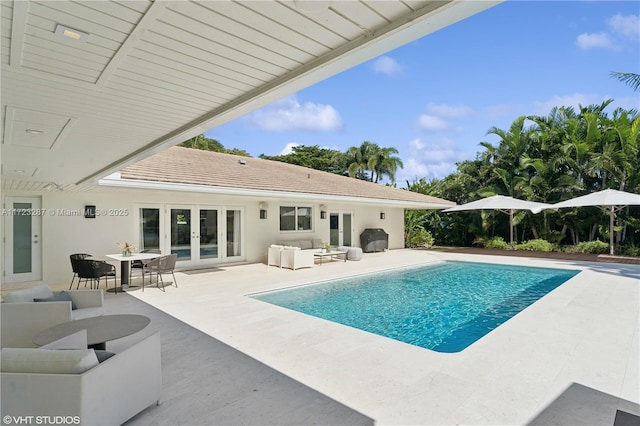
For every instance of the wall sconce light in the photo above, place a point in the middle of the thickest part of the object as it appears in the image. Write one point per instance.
(263, 210)
(323, 211)
(382, 215)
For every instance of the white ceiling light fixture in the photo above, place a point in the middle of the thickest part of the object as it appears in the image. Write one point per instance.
(34, 131)
(71, 33)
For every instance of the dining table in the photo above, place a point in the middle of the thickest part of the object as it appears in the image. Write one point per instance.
(125, 265)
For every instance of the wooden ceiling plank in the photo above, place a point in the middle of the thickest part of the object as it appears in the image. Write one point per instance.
(245, 39)
(18, 24)
(37, 29)
(108, 8)
(59, 54)
(205, 72)
(165, 86)
(152, 14)
(255, 69)
(182, 78)
(279, 12)
(87, 19)
(276, 34)
(56, 68)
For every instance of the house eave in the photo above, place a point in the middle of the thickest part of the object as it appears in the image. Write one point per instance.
(115, 181)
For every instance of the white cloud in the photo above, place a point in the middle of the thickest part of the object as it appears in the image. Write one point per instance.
(449, 111)
(416, 144)
(431, 123)
(627, 26)
(596, 40)
(574, 100)
(621, 29)
(438, 115)
(387, 65)
(289, 114)
(430, 159)
(288, 149)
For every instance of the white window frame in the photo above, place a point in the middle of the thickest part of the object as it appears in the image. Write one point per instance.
(296, 208)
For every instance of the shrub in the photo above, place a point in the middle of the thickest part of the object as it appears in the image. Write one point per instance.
(537, 245)
(421, 238)
(594, 247)
(496, 243)
(630, 251)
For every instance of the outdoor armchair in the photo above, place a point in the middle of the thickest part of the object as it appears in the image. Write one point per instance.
(74, 257)
(141, 264)
(161, 265)
(92, 271)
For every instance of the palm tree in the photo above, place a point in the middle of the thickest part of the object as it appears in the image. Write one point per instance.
(358, 160)
(384, 163)
(629, 78)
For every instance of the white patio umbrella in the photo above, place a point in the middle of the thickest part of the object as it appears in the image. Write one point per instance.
(611, 198)
(504, 204)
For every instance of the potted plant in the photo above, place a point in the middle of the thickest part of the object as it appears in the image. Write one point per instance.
(127, 248)
(326, 247)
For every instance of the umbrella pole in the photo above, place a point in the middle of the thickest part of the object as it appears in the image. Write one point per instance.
(511, 228)
(611, 250)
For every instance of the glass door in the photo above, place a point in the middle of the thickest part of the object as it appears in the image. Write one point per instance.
(233, 234)
(23, 226)
(180, 234)
(202, 235)
(341, 229)
(207, 240)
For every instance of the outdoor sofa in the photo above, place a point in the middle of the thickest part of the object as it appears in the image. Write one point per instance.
(49, 383)
(21, 318)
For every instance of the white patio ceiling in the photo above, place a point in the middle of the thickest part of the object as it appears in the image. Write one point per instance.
(153, 74)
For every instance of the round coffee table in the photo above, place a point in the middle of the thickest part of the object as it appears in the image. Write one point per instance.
(99, 329)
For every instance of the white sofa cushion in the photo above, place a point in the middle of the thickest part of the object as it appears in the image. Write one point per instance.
(306, 244)
(87, 313)
(28, 294)
(35, 360)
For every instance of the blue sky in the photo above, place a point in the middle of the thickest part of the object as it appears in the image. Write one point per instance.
(435, 98)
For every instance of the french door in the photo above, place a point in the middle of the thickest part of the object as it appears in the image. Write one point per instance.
(23, 234)
(341, 228)
(199, 235)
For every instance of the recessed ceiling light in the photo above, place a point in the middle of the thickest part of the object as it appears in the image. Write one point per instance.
(18, 171)
(63, 31)
(34, 131)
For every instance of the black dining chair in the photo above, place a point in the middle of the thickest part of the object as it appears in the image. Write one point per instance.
(161, 265)
(92, 271)
(74, 268)
(141, 264)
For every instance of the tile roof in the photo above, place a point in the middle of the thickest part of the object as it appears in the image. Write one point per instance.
(214, 169)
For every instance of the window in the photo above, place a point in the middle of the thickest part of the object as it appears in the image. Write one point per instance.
(295, 218)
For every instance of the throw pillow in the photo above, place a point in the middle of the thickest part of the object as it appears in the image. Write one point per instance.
(27, 294)
(63, 296)
(317, 243)
(103, 355)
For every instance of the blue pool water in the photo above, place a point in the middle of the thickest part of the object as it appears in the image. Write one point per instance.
(444, 307)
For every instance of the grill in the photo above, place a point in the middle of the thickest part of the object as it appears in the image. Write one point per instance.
(374, 239)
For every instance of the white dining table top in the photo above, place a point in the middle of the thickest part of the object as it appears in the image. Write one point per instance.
(133, 256)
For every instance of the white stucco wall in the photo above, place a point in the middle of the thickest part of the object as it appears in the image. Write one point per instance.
(66, 231)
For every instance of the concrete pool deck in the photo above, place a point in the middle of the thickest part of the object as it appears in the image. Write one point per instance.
(570, 358)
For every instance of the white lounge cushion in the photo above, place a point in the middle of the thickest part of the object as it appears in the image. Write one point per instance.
(87, 313)
(306, 244)
(28, 294)
(36, 360)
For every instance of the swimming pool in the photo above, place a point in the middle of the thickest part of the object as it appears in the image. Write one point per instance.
(444, 306)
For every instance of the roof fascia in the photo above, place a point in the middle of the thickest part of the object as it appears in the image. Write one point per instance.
(115, 181)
